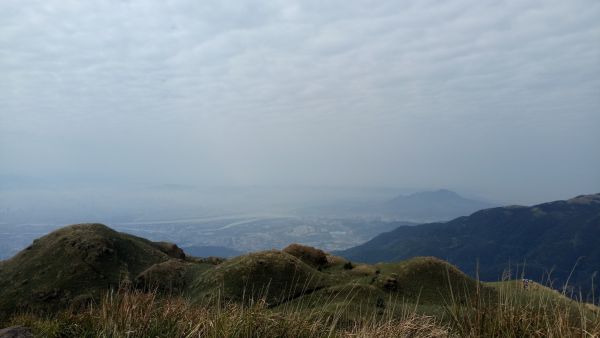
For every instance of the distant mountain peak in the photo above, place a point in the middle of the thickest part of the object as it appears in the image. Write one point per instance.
(434, 205)
(439, 192)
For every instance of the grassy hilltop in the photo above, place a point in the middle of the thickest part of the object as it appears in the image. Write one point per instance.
(90, 280)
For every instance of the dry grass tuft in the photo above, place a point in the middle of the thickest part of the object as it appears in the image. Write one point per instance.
(132, 313)
(515, 312)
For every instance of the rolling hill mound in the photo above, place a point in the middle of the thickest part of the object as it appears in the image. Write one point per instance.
(273, 275)
(79, 262)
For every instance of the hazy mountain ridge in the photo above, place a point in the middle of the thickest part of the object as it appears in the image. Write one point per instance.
(424, 206)
(550, 238)
(432, 205)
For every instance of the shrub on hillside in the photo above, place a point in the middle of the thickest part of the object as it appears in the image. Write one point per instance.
(170, 249)
(307, 254)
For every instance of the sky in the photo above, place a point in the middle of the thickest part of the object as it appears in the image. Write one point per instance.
(498, 98)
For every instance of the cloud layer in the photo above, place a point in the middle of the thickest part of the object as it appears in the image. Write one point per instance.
(500, 97)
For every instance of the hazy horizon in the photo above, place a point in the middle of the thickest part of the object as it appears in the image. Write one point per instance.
(495, 99)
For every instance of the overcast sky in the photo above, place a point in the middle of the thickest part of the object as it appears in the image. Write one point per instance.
(501, 98)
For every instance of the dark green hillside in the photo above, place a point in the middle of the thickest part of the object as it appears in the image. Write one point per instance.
(552, 237)
(80, 262)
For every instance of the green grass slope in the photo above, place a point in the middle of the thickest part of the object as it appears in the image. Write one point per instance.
(78, 263)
